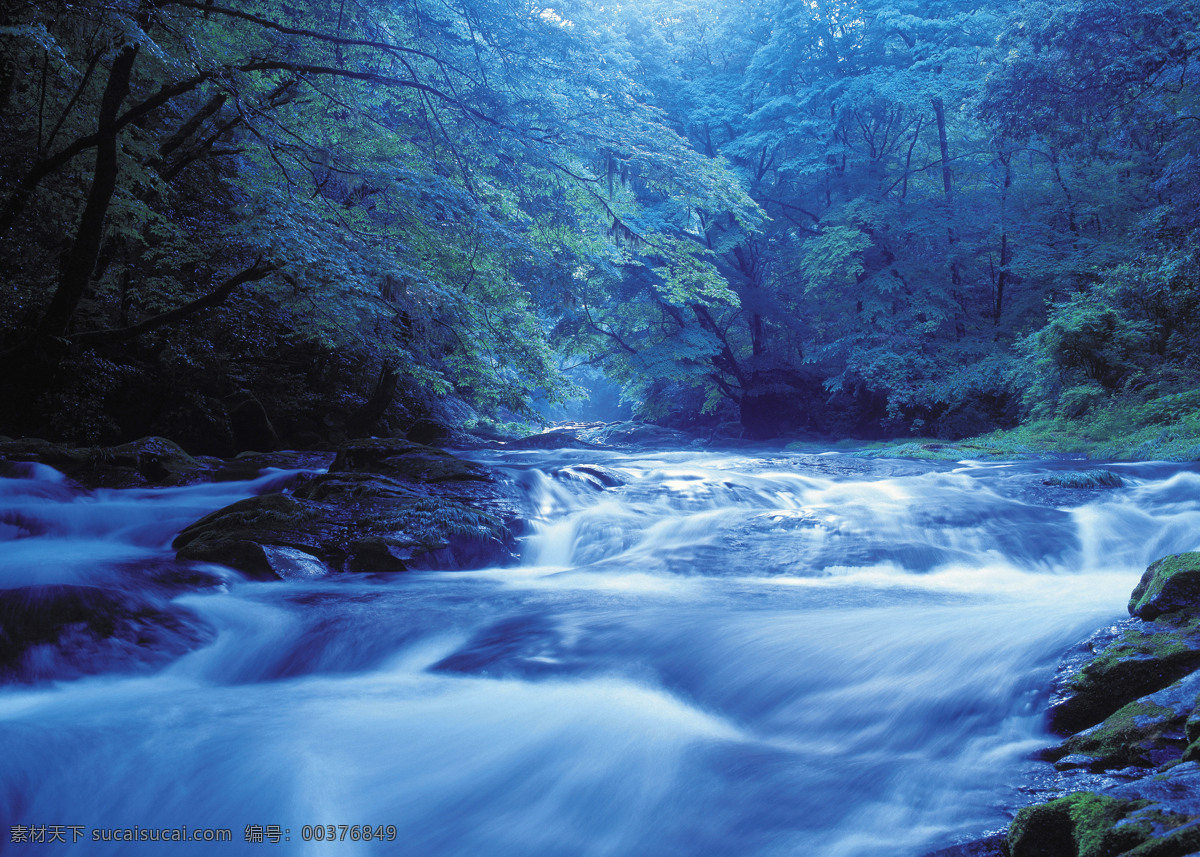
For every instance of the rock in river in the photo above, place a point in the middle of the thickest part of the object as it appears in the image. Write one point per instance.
(384, 505)
(1169, 585)
(60, 631)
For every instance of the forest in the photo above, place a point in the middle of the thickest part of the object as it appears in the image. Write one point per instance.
(247, 224)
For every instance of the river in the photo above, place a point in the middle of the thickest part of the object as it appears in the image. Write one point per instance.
(702, 653)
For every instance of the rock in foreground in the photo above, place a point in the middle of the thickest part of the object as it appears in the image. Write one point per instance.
(1144, 657)
(1169, 585)
(1155, 817)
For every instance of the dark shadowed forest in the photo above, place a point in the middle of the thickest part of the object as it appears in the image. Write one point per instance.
(247, 224)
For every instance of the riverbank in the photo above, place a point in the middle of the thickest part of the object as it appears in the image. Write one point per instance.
(1164, 429)
(1127, 703)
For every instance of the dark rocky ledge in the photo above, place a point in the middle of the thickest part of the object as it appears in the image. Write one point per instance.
(384, 506)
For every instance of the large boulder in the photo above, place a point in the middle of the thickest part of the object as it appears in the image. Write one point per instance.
(635, 435)
(259, 536)
(1169, 585)
(59, 631)
(1147, 733)
(384, 506)
(406, 461)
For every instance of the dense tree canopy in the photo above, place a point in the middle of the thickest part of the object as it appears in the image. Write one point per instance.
(327, 217)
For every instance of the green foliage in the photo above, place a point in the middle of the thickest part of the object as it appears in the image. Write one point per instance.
(1130, 335)
(938, 217)
(833, 259)
(419, 197)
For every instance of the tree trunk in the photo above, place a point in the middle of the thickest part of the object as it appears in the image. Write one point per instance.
(1005, 252)
(939, 112)
(375, 407)
(255, 272)
(1002, 278)
(81, 260)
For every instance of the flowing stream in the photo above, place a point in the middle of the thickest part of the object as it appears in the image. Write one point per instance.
(702, 653)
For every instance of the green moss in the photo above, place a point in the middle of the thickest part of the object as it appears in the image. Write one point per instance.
(1127, 736)
(1192, 753)
(1078, 825)
(1086, 479)
(1178, 571)
(1171, 835)
(1143, 660)
(1167, 643)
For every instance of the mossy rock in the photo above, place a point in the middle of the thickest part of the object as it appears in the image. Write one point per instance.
(1156, 816)
(147, 461)
(376, 554)
(60, 456)
(274, 536)
(1171, 584)
(353, 487)
(1192, 727)
(349, 522)
(268, 512)
(1146, 657)
(258, 560)
(1084, 824)
(555, 439)
(1170, 811)
(1146, 733)
(1192, 752)
(1085, 479)
(442, 534)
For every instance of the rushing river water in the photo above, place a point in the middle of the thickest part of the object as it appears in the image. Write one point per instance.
(702, 653)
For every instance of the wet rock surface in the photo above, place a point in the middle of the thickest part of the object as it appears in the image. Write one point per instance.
(57, 632)
(1140, 659)
(380, 506)
(145, 462)
(1169, 585)
(384, 506)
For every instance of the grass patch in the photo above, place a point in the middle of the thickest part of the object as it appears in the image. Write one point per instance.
(1148, 425)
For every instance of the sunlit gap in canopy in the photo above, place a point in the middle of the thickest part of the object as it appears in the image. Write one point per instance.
(550, 15)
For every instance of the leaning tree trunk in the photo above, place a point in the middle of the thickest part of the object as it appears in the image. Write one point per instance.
(81, 260)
